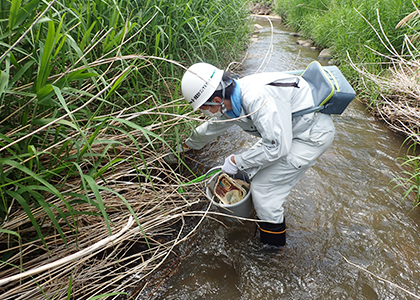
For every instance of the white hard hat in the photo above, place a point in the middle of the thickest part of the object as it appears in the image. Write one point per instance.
(199, 82)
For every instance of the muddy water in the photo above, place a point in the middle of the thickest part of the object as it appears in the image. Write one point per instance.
(343, 207)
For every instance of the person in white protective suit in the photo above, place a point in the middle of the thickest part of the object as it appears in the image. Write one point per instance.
(288, 147)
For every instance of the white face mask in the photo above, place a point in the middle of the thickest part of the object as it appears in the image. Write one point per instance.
(208, 113)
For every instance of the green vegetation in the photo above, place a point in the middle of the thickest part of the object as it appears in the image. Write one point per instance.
(377, 44)
(410, 180)
(350, 28)
(89, 95)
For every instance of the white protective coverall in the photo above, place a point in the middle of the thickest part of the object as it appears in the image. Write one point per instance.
(289, 146)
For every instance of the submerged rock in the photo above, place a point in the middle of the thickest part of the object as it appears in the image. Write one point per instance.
(305, 43)
(325, 54)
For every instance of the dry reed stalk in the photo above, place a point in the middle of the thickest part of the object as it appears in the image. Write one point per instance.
(398, 88)
(399, 93)
(92, 274)
(409, 17)
(70, 258)
(380, 278)
(159, 209)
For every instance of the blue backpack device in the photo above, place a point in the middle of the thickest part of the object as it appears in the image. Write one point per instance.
(331, 91)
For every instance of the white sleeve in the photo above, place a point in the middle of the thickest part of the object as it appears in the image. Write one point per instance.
(206, 132)
(274, 123)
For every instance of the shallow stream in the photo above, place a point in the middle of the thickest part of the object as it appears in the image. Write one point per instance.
(343, 208)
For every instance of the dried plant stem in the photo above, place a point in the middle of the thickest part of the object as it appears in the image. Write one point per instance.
(380, 278)
(69, 258)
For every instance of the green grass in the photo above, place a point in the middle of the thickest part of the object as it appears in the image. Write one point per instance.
(410, 179)
(76, 74)
(348, 27)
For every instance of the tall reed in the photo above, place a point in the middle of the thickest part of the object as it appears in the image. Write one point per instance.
(346, 26)
(89, 96)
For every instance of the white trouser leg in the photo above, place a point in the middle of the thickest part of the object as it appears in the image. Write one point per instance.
(271, 185)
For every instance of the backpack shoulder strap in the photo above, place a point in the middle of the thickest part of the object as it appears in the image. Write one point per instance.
(284, 84)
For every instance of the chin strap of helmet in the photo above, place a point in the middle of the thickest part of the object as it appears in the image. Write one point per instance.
(224, 110)
(222, 86)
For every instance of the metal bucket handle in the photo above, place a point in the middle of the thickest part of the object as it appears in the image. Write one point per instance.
(208, 185)
(220, 167)
(211, 170)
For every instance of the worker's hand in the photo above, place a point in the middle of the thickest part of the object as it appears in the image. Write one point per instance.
(171, 158)
(229, 166)
(181, 148)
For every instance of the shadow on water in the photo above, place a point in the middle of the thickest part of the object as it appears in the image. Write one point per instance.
(344, 205)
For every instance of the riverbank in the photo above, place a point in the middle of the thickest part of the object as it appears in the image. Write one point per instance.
(377, 47)
(382, 63)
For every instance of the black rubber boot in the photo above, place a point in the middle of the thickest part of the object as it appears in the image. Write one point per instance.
(273, 234)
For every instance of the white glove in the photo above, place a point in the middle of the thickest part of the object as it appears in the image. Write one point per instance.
(171, 158)
(229, 166)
